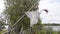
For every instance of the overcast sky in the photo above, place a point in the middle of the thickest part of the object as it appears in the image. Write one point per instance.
(1, 6)
(53, 7)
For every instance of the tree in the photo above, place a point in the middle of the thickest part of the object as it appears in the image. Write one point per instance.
(16, 8)
(2, 24)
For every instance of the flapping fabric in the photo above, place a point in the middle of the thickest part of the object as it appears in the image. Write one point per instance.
(33, 15)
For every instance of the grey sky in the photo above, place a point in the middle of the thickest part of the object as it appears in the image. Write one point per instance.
(1, 6)
(54, 11)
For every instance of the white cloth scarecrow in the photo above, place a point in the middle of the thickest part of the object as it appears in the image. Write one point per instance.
(33, 15)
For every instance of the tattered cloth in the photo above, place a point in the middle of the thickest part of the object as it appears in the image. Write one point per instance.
(33, 15)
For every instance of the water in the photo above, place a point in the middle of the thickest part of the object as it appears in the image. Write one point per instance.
(54, 28)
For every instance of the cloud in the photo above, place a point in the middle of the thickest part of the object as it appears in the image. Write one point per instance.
(1, 6)
(54, 11)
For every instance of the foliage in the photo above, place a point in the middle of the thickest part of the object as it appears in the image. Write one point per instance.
(16, 8)
(3, 31)
(53, 24)
(2, 24)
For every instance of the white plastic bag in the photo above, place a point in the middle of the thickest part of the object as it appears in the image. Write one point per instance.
(33, 15)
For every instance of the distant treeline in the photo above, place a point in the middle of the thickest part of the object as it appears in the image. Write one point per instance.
(52, 24)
